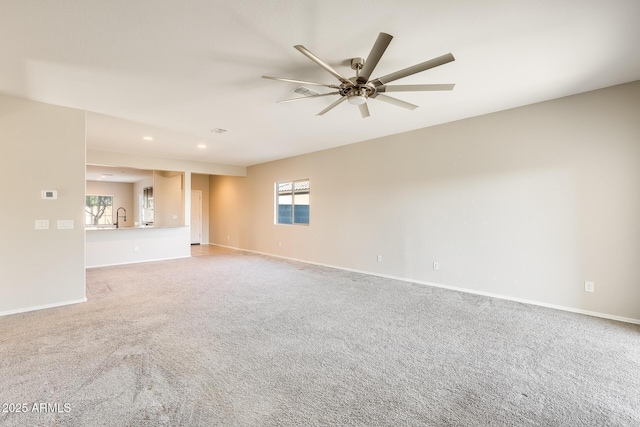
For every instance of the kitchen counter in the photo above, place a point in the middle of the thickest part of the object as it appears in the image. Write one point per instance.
(137, 227)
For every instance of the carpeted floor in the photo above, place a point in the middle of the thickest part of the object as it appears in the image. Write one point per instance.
(237, 339)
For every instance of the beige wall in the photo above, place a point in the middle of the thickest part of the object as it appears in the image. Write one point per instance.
(43, 148)
(122, 197)
(201, 183)
(99, 157)
(168, 198)
(526, 203)
(228, 212)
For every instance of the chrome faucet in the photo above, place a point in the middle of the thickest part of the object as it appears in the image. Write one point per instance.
(118, 216)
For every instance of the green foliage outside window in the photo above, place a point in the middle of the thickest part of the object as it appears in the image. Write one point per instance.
(99, 210)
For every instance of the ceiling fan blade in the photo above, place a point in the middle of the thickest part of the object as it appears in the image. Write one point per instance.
(414, 88)
(307, 97)
(423, 66)
(364, 110)
(321, 63)
(381, 44)
(396, 102)
(282, 79)
(342, 98)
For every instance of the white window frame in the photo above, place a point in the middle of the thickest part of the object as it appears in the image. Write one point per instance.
(293, 193)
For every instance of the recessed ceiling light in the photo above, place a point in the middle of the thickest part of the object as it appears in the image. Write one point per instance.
(202, 146)
(218, 130)
(148, 138)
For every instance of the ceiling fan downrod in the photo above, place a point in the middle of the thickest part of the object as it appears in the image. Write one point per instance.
(356, 93)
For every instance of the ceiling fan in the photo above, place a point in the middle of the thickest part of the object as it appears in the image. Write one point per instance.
(357, 90)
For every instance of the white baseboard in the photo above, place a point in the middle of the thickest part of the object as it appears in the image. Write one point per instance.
(136, 262)
(41, 307)
(454, 288)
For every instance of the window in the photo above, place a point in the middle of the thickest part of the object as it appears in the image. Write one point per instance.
(292, 202)
(98, 210)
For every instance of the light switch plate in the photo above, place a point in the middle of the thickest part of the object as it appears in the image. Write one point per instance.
(66, 224)
(42, 224)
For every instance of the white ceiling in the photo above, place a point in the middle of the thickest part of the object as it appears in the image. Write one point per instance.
(176, 69)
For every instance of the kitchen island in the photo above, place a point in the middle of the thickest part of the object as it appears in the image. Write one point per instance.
(126, 245)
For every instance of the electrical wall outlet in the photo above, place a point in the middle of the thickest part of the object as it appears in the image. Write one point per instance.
(379, 258)
(589, 287)
(436, 266)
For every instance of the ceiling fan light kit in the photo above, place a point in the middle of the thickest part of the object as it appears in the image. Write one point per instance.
(357, 96)
(360, 88)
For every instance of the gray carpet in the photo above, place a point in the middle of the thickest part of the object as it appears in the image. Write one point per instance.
(244, 340)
